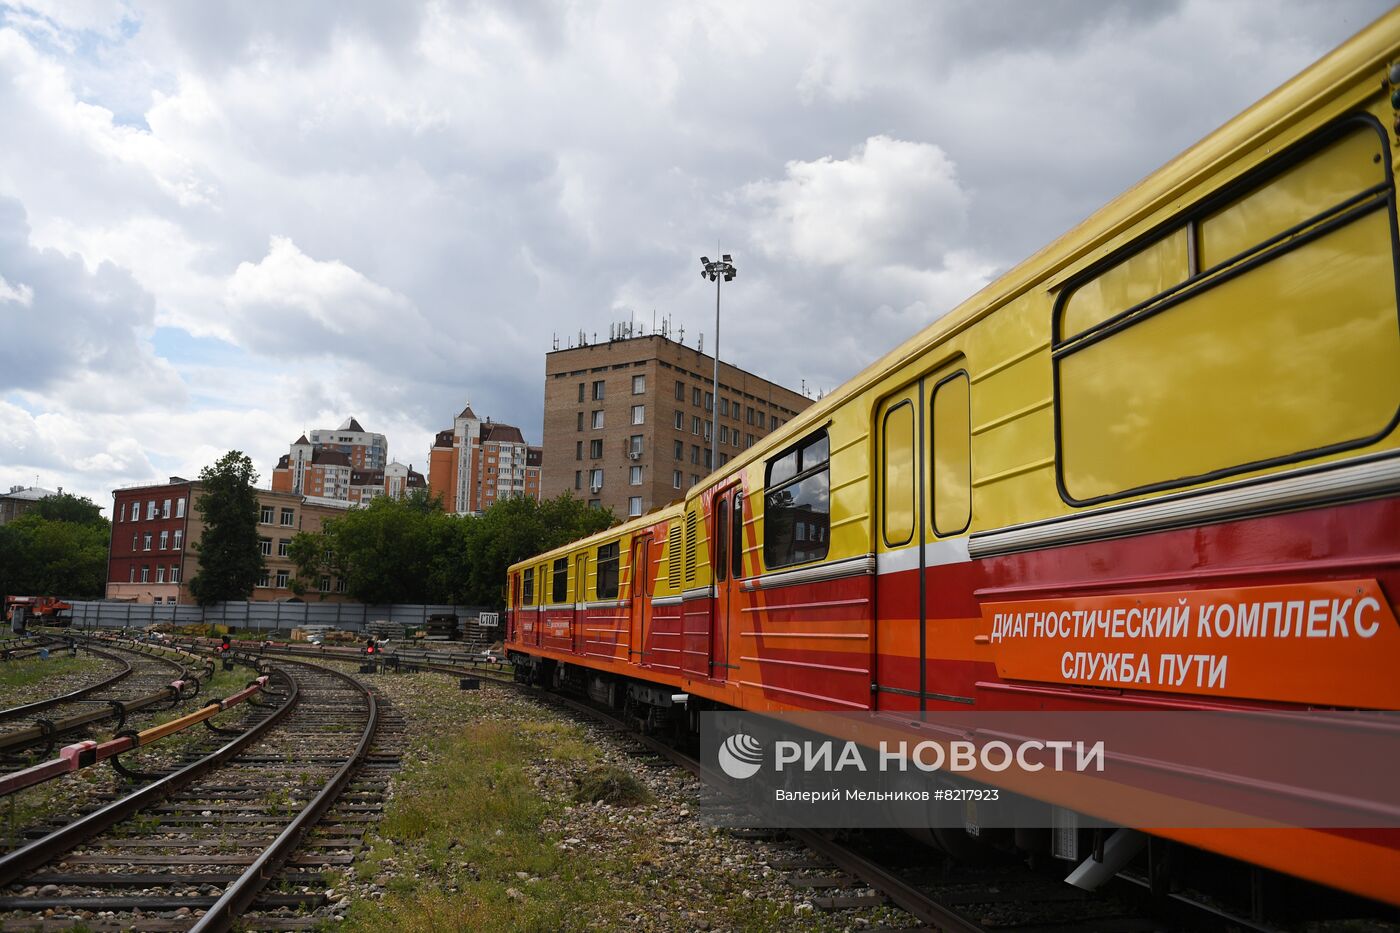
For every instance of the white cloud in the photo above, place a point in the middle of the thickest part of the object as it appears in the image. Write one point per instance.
(20, 294)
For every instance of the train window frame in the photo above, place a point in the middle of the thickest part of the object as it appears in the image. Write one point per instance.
(1380, 196)
(913, 473)
(772, 560)
(609, 569)
(559, 580)
(736, 533)
(527, 586)
(934, 450)
(721, 550)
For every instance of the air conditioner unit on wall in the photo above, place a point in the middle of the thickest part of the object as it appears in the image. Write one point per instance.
(595, 487)
(634, 455)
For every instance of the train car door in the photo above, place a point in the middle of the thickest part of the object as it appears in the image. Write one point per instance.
(580, 603)
(640, 602)
(899, 537)
(513, 610)
(726, 551)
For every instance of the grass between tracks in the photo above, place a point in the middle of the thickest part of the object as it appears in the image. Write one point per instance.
(18, 676)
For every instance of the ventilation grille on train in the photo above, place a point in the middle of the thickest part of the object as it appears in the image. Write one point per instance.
(690, 542)
(673, 556)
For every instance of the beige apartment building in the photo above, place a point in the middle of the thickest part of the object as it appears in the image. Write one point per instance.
(628, 422)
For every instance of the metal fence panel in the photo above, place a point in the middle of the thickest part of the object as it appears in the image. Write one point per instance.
(262, 615)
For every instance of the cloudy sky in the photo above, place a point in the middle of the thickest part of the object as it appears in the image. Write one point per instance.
(222, 223)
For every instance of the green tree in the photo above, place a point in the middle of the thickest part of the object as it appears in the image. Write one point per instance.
(385, 552)
(65, 507)
(230, 561)
(308, 552)
(514, 529)
(40, 556)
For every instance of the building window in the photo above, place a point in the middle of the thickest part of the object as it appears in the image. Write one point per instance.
(639, 385)
(598, 391)
(595, 448)
(723, 459)
(288, 517)
(709, 402)
(595, 503)
(580, 421)
(694, 424)
(635, 477)
(578, 450)
(748, 440)
(676, 479)
(709, 459)
(265, 547)
(709, 429)
(146, 541)
(639, 414)
(179, 508)
(724, 407)
(134, 545)
(340, 586)
(634, 505)
(695, 479)
(694, 453)
(131, 577)
(122, 514)
(749, 414)
(680, 450)
(598, 419)
(324, 585)
(680, 391)
(160, 573)
(150, 510)
(595, 480)
(265, 515)
(145, 573)
(679, 421)
(179, 537)
(282, 545)
(578, 479)
(174, 576)
(282, 579)
(695, 395)
(165, 511)
(580, 391)
(263, 580)
(164, 540)
(634, 445)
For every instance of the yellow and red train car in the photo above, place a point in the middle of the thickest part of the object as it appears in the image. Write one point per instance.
(1169, 434)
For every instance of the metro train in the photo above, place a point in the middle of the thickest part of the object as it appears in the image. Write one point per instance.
(1192, 396)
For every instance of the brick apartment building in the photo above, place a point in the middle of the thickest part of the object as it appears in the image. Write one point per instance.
(151, 557)
(21, 499)
(474, 463)
(628, 421)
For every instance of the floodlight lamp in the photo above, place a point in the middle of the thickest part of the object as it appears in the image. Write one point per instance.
(727, 258)
(704, 260)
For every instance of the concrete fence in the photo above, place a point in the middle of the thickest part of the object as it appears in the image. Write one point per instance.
(269, 616)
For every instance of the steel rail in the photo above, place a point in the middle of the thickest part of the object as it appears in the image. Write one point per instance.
(17, 711)
(46, 848)
(241, 894)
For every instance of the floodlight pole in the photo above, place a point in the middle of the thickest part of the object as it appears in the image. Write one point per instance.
(717, 272)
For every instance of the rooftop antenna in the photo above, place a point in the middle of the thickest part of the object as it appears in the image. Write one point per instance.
(556, 340)
(700, 344)
(653, 320)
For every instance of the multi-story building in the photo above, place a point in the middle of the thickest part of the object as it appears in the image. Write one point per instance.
(395, 481)
(322, 464)
(367, 451)
(152, 556)
(21, 499)
(475, 463)
(629, 421)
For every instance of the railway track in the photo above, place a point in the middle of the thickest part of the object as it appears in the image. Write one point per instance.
(144, 683)
(279, 804)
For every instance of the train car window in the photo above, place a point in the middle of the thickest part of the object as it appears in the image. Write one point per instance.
(736, 546)
(1280, 346)
(952, 455)
(722, 541)
(673, 556)
(797, 504)
(527, 586)
(560, 581)
(608, 563)
(899, 447)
